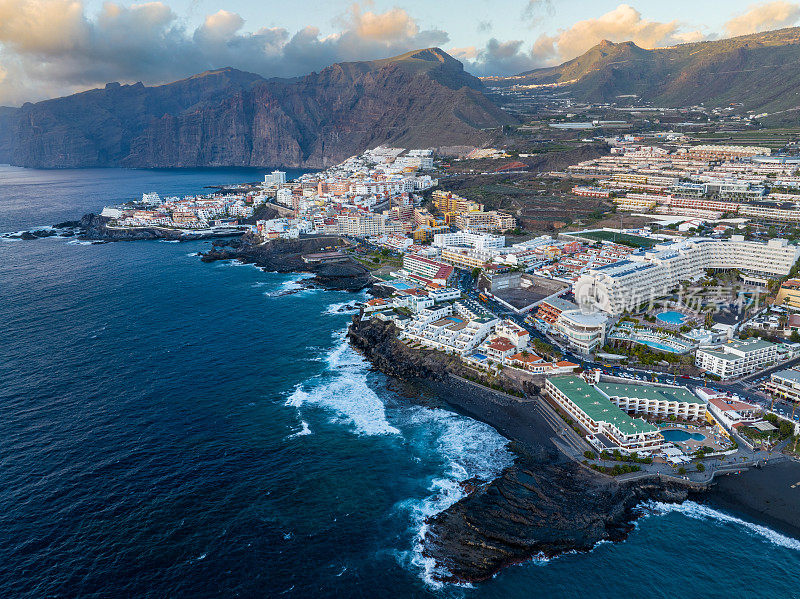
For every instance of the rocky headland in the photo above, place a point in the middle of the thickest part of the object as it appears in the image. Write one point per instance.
(287, 255)
(545, 504)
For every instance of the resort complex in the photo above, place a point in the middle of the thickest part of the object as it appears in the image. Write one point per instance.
(609, 425)
(653, 273)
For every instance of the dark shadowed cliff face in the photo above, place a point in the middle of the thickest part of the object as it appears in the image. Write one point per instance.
(231, 118)
(8, 126)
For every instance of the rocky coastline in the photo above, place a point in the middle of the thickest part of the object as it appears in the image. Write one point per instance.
(543, 505)
(96, 228)
(287, 255)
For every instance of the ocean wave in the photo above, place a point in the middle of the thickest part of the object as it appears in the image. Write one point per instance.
(193, 254)
(343, 389)
(699, 511)
(471, 450)
(304, 430)
(341, 308)
(292, 285)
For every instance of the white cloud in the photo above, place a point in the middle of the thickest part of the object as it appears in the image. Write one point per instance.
(764, 17)
(624, 23)
(51, 47)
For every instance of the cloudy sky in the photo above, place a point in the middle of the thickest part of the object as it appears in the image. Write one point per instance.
(55, 47)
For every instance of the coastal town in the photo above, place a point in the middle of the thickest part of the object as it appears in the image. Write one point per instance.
(369, 299)
(667, 348)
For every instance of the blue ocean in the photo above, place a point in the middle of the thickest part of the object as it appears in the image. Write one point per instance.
(178, 429)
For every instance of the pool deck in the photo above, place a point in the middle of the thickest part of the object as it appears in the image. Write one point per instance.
(712, 438)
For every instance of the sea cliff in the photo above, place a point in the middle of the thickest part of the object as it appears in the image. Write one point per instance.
(543, 505)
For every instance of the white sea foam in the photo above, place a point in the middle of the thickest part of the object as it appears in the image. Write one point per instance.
(193, 254)
(343, 389)
(471, 450)
(304, 430)
(293, 285)
(699, 511)
(341, 308)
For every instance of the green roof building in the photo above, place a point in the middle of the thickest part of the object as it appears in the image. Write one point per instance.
(600, 417)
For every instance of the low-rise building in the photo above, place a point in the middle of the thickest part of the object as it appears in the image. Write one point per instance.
(784, 384)
(789, 295)
(600, 417)
(655, 400)
(728, 412)
(737, 358)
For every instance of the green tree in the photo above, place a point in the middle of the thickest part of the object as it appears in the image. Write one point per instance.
(701, 467)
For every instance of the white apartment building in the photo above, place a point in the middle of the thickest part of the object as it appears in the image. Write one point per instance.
(363, 225)
(514, 333)
(655, 400)
(737, 358)
(785, 384)
(479, 241)
(646, 275)
(458, 333)
(466, 258)
(284, 197)
(275, 178)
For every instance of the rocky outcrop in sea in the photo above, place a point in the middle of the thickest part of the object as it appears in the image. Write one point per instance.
(286, 255)
(544, 505)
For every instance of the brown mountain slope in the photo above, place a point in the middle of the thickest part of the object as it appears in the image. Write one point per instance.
(761, 70)
(227, 117)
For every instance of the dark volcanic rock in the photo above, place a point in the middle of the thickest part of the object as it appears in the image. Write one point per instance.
(543, 504)
(286, 255)
(378, 341)
(536, 508)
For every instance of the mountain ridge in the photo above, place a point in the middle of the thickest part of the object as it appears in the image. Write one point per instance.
(228, 117)
(759, 70)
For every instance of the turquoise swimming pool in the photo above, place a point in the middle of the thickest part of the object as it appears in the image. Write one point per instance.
(672, 317)
(657, 345)
(675, 435)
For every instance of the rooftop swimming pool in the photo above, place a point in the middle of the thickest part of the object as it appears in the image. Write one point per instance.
(672, 317)
(675, 435)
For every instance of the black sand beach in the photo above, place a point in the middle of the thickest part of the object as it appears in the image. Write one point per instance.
(768, 495)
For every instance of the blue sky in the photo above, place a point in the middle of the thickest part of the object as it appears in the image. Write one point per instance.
(461, 18)
(54, 47)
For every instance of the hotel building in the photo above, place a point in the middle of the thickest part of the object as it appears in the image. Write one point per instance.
(646, 275)
(583, 332)
(737, 358)
(656, 401)
(784, 384)
(600, 417)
